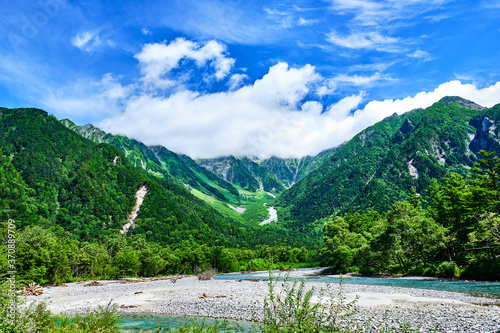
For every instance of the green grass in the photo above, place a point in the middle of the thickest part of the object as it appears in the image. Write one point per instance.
(253, 202)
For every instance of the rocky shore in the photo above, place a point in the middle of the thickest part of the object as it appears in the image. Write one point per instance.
(376, 306)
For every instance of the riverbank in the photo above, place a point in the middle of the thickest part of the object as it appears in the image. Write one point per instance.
(235, 299)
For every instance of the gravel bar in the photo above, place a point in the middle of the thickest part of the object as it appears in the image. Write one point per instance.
(377, 307)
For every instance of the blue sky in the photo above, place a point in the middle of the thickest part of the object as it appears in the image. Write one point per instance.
(260, 78)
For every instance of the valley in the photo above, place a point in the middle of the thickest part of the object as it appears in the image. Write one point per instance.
(415, 194)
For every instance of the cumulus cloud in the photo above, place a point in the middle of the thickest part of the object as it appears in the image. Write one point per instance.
(269, 117)
(377, 110)
(236, 81)
(276, 115)
(157, 60)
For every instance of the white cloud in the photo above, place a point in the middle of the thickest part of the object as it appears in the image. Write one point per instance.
(380, 12)
(419, 54)
(268, 117)
(376, 110)
(329, 86)
(158, 59)
(303, 22)
(341, 110)
(146, 31)
(368, 40)
(88, 98)
(87, 41)
(236, 81)
(358, 80)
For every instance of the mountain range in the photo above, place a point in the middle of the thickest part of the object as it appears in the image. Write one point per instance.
(83, 179)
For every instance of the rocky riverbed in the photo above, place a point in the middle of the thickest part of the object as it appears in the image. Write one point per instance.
(376, 306)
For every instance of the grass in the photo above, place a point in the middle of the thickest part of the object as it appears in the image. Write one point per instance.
(253, 202)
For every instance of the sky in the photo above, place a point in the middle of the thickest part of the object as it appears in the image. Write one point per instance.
(259, 78)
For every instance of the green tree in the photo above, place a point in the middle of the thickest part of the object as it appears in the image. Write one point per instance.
(342, 247)
(410, 237)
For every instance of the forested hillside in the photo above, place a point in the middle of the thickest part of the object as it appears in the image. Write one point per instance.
(161, 162)
(58, 178)
(384, 162)
(451, 230)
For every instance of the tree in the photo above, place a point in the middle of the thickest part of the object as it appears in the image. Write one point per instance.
(410, 237)
(342, 246)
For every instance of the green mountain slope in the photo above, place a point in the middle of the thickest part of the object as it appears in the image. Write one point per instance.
(381, 164)
(51, 176)
(161, 162)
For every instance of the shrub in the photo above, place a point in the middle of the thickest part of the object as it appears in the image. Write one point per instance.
(448, 269)
(292, 309)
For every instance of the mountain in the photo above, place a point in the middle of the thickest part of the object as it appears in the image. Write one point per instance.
(290, 170)
(161, 162)
(243, 172)
(246, 208)
(273, 174)
(384, 162)
(53, 177)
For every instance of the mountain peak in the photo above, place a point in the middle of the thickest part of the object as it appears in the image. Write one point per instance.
(460, 102)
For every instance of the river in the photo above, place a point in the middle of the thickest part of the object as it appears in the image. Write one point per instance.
(488, 289)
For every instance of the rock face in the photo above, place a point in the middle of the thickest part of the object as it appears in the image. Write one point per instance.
(233, 171)
(273, 174)
(486, 137)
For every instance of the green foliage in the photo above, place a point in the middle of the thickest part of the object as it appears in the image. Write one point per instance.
(54, 177)
(343, 248)
(456, 235)
(18, 318)
(103, 319)
(292, 309)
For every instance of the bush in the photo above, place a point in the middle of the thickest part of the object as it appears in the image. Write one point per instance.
(18, 318)
(483, 270)
(104, 319)
(292, 309)
(448, 269)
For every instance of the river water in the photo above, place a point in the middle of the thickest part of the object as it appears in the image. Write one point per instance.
(488, 289)
(147, 323)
